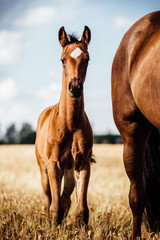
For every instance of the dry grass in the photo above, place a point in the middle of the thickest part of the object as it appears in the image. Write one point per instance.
(21, 200)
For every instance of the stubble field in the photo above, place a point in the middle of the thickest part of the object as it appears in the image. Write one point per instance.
(21, 198)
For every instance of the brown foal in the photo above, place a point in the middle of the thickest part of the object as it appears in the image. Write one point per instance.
(64, 136)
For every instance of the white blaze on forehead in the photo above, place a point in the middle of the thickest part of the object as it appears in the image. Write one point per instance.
(77, 52)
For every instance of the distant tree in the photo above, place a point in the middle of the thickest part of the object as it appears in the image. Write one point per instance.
(26, 128)
(11, 134)
(108, 138)
(27, 135)
(29, 138)
(1, 140)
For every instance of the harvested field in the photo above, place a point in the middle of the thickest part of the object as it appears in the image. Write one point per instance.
(21, 199)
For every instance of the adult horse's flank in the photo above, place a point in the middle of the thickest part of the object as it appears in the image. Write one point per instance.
(136, 109)
(64, 136)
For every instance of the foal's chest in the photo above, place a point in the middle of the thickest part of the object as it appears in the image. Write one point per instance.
(72, 149)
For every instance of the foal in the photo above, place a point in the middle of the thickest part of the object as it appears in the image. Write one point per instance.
(64, 136)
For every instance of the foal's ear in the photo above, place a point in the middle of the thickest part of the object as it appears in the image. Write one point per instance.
(86, 36)
(62, 36)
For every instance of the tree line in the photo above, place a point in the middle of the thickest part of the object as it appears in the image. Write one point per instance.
(26, 135)
(108, 138)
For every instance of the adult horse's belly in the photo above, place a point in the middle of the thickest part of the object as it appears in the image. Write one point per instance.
(145, 82)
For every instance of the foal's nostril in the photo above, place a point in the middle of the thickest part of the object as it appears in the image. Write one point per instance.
(80, 86)
(70, 87)
(75, 90)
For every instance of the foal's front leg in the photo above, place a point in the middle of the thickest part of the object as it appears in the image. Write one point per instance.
(82, 181)
(68, 188)
(56, 209)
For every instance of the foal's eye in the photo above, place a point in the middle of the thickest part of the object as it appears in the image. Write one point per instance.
(63, 61)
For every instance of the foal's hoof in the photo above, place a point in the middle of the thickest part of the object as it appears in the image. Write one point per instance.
(56, 217)
(66, 206)
(82, 217)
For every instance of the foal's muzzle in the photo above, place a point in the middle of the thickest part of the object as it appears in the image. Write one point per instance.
(75, 90)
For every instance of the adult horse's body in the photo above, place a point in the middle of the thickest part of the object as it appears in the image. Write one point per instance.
(136, 103)
(64, 136)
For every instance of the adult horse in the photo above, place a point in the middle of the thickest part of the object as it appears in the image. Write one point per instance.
(64, 136)
(136, 111)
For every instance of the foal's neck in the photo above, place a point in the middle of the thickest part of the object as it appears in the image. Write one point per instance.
(71, 109)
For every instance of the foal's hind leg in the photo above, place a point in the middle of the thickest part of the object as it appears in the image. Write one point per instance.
(82, 181)
(69, 184)
(46, 190)
(45, 183)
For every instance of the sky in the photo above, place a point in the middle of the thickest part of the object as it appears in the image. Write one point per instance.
(30, 67)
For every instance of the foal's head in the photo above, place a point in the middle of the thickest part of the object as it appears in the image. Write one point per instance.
(75, 59)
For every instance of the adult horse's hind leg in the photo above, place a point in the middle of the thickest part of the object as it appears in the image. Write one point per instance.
(82, 181)
(69, 184)
(134, 129)
(135, 136)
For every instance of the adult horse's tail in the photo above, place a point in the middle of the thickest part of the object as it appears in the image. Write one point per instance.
(152, 180)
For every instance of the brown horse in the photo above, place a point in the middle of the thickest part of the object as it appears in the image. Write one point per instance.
(136, 105)
(64, 136)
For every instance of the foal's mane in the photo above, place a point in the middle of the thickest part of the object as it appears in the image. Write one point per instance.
(73, 38)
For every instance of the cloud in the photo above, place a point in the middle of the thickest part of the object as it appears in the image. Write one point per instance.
(51, 94)
(8, 89)
(122, 22)
(17, 112)
(38, 16)
(11, 45)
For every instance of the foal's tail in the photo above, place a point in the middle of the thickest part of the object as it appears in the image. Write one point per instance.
(152, 180)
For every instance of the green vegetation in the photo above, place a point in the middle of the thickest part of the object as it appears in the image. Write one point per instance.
(108, 138)
(26, 135)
